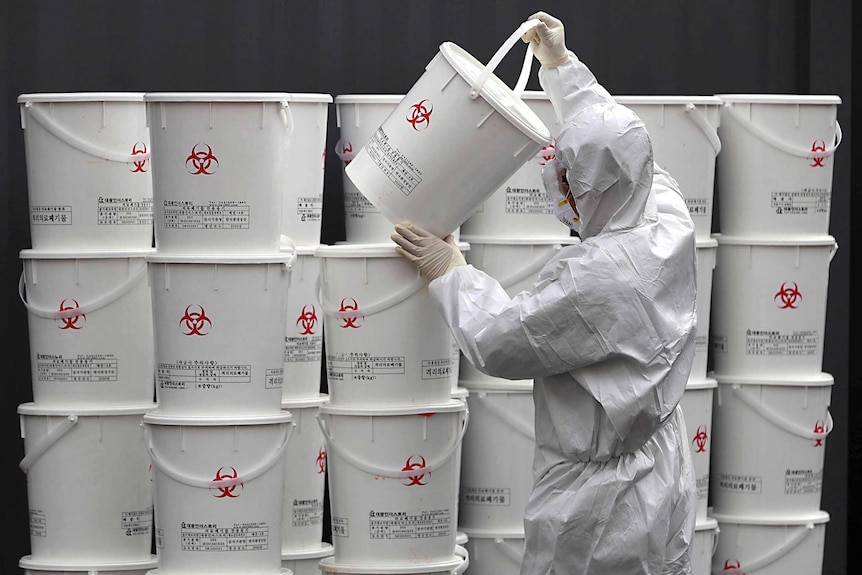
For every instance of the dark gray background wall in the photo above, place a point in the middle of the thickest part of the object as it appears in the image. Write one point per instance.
(659, 47)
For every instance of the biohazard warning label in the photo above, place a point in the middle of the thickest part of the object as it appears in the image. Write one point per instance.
(340, 527)
(739, 483)
(303, 349)
(393, 163)
(222, 215)
(702, 485)
(363, 367)
(802, 481)
(309, 209)
(137, 522)
(527, 201)
(801, 202)
(492, 496)
(125, 212)
(404, 525)
(212, 537)
(201, 375)
(38, 523)
(307, 512)
(774, 342)
(697, 206)
(51, 215)
(437, 368)
(82, 368)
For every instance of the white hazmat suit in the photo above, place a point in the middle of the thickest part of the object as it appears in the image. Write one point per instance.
(608, 335)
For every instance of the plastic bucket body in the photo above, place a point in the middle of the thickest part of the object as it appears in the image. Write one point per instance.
(758, 546)
(684, 135)
(495, 551)
(35, 567)
(88, 486)
(90, 327)
(706, 254)
(454, 138)
(302, 208)
(769, 442)
(696, 405)
(386, 342)
(497, 458)
(218, 491)
(521, 204)
(305, 562)
(219, 332)
(305, 478)
(88, 171)
(220, 170)
(303, 336)
(706, 533)
(769, 305)
(393, 482)
(775, 170)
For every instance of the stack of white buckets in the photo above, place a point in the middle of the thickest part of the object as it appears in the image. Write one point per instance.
(84, 284)
(771, 408)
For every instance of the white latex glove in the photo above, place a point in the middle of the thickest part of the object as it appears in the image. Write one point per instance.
(548, 39)
(434, 257)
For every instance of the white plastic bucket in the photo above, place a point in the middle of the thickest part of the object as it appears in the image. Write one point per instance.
(456, 566)
(386, 342)
(88, 485)
(220, 170)
(703, 546)
(684, 135)
(515, 263)
(90, 327)
(303, 337)
(218, 491)
(306, 562)
(696, 405)
(454, 138)
(393, 482)
(769, 305)
(219, 332)
(497, 458)
(88, 171)
(521, 204)
(305, 478)
(358, 116)
(302, 208)
(495, 551)
(760, 546)
(775, 170)
(35, 567)
(706, 256)
(769, 442)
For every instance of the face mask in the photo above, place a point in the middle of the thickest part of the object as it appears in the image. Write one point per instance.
(565, 210)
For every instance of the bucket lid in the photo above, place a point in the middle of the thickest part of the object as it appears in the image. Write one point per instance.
(289, 404)
(216, 97)
(368, 98)
(816, 380)
(778, 99)
(450, 406)
(32, 254)
(706, 242)
(308, 97)
(210, 420)
(520, 240)
(501, 386)
(83, 97)
(262, 258)
(31, 408)
(800, 240)
(708, 383)
(493, 533)
(497, 94)
(702, 524)
(460, 393)
(799, 519)
(329, 565)
(668, 100)
(359, 250)
(323, 549)
(461, 538)
(27, 562)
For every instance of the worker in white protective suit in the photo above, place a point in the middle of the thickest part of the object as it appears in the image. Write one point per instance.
(607, 333)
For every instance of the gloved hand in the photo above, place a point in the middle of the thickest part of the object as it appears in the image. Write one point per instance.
(548, 39)
(434, 257)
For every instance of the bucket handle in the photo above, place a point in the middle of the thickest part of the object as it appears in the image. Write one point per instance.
(50, 439)
(508, 551)
(516, 424)
(479, 82)
(776, 419)
(255, 472)
(370, 309)
(372, 469)
(779, 144)
(67, 137)
(531, 269)
(89, 307)
(701, 122)
(461, 551)
(287, 119)
(798, 537)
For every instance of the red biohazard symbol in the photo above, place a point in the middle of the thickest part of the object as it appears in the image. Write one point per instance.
(420, 115)
(733, 566)
(321, 460)
(346, 154)
(700, 439)
(230, 491)
(202, 162)
(788, 296)
(349, 304)
(818, 146)
(414, 479)
(819, 428)
(546, 154)
(196, 322)
(71, 322)
(307, 320)
(138, 166)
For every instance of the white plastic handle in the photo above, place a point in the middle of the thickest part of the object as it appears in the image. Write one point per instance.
(701, 122)
(205, 483)
(531, 269)
(780, 551)
(508, 551)
(50, 439)
(69, 138)
(287, 119)
(87, 307)
(288, 244)
(479, 81)
(780, 422)
(390, 301)
(516, 424)
(377, 470)
(781, 145)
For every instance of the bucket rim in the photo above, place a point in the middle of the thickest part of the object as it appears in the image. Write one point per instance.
(217, 97)
(230, 259)
(309, 97)
(32, 408)
(281, 571)
(62, 97)
(705, 523)
(300, 403)
(504, 386)
(167, 419)
(451, 406)
(820, 516)
(369, 98)
(668, 100)
(390, 569)
(706, 242)
(460, 393)
(486, 533)
(708, 383)
(28, 562)
(520, 240)
(779, 98)
(822, 379)
(513, 109)
(360, 250)
(34, 254)
(324, 549)
(801, 240)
